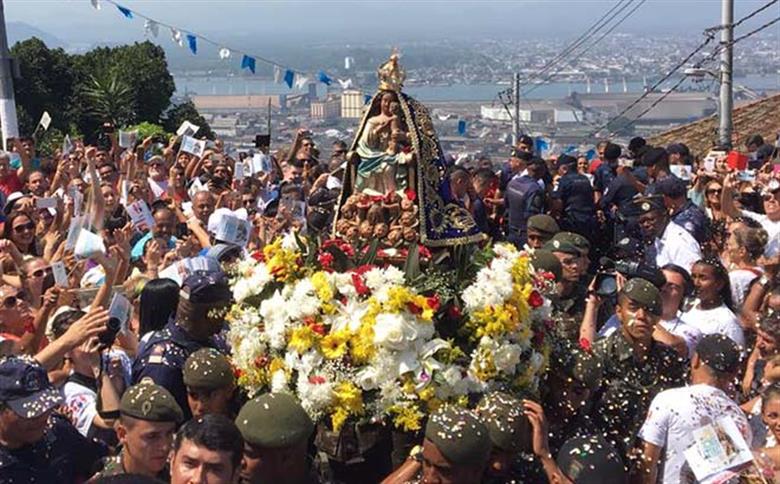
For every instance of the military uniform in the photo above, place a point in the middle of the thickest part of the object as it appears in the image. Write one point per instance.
(276, 421)
(149, 402)
(207, 370)
(629, 384)
(62, 455)
(523, 198)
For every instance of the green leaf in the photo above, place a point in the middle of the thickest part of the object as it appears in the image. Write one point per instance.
(412, 265)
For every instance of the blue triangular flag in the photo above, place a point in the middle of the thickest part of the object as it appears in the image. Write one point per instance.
(541, 145)
(248, 63)
(462, 127)
(125, 11)
(591, 153)
(366, 99)
(193, 43)
(289, 77)
(324, 78)
(569, 149)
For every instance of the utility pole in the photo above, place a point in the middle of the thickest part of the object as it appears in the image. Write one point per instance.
(10, 128)
(516, 89)
(726, 73)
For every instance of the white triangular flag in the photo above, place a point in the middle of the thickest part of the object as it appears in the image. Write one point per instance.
(176, 36)
(300, 82)
(45, 120)
(95, 4)
(277, 74)
(345, 84)
(151, 27)
(224, 53)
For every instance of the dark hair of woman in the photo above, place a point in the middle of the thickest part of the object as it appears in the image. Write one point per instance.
(158, 302)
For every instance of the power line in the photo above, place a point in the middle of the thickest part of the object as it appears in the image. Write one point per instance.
(603, 35)
(743, 19)
(682, 79)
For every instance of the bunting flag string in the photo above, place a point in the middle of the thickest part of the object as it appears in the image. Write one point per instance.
(192, 41)
(281, 73)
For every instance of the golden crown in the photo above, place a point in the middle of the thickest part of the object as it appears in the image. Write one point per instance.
(391, 75)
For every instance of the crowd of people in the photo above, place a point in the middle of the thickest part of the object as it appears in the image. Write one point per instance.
(666, 316)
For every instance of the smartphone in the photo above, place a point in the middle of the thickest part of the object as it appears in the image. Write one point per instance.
(746, 176)
(46, 202)
(626, 162)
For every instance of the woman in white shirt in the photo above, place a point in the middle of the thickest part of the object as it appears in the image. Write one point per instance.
(712, 311)
(743, 248)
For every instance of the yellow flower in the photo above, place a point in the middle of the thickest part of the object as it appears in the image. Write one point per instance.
(322, 286)
(334, 345)
(348, 396)
(407, 418)
(362, 345)
(301, 339)
(338, 418)
(426, 393)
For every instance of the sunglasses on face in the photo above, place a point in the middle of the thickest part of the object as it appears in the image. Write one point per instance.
(10, 302)
(713, 191)
(24, 227)
(40, 272)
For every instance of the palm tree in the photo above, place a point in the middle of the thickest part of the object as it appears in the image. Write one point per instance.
(110, 99)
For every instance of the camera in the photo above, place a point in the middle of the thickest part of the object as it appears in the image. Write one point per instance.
(108, 336)
(606, 277)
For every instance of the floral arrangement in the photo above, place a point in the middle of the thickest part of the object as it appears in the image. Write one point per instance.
(355, 341)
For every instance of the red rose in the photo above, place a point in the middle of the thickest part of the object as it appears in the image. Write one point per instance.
(413, 308)
(325, 259)
(535, 299)
(318, 328)
(434, 302)
(360, 286)
(258, 256)
(317, 380)
(585, 345)
(454, 311)
(410, 194)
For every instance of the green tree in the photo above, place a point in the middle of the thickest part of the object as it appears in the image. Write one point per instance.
(147, 129)
(46, 84)
(186, 111)
(110, 99)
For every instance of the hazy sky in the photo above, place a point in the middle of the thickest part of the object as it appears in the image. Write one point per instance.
(378, 20)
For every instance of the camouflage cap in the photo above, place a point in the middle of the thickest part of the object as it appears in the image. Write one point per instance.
(274, 420)
(507, 425)
(590, 458)
(147, 401)
(577, 240)
(208, 369)
(544, 224)
(575, 363)
(546, 261)
(644, 293)
(459, 436)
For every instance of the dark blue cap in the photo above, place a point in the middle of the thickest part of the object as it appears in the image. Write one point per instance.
(671, 186)
(25, 387)
(206, 287)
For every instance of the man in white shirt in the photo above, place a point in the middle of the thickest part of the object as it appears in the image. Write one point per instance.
(769, 220)
(674, 414)
(669, 243)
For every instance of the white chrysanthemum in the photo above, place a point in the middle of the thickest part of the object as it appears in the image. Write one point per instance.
(507, 357)
(396, 332)
(315, 397)
(242, 289)
(506, 251)
(394, 276)
(343, 282)
(279, 381)
(260, 276)
(375, 278)
(303, 301)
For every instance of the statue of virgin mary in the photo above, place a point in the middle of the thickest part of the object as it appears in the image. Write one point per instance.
(397, 173)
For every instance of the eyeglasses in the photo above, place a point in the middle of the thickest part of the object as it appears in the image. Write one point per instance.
(24, 227)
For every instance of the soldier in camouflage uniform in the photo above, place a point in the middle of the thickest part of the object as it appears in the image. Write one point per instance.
(635, 367)
(148, 416)
(211, 385)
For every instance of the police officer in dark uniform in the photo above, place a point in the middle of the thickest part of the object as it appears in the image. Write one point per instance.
(37, 445)
(523, 198)
(684, 212)
(572, 198)
(635, 367)
(204, 298)
(607, 170)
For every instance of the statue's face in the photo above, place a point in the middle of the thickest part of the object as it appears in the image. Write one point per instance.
(385, 105)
